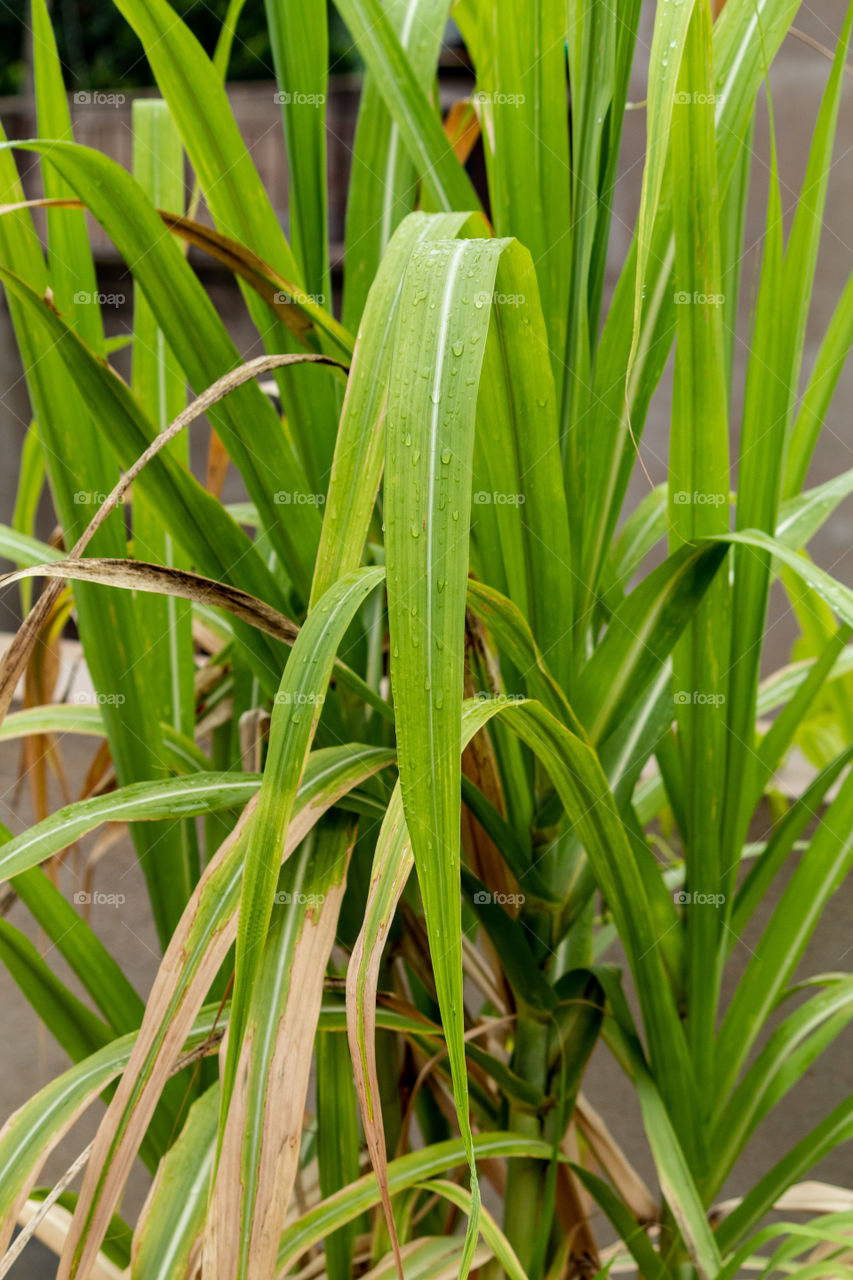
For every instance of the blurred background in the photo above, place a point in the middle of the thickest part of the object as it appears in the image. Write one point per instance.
(105, 70)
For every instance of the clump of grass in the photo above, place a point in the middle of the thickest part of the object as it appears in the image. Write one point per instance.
(429, 642)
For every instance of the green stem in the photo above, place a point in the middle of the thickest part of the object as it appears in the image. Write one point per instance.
(526, 1178)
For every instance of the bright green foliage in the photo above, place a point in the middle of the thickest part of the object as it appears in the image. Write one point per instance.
(435, 572)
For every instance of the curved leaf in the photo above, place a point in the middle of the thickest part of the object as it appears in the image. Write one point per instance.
(195, 954)
(295, 717)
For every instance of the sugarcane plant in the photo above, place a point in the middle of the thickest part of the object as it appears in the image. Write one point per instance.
(432, 640)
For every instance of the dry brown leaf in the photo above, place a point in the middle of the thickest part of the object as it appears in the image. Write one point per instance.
(113, 1154)
(17, 655)
(462, 126)
(52, 1230)
(138, 575)
(217, 465)
(284, 1105)
(614, 1162)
